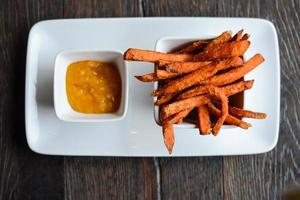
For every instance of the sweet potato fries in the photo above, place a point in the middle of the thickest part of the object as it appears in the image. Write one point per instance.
(201, 77)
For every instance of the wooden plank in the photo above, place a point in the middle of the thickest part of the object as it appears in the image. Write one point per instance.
(264, 176)
(23, 174)
(107, 8)
(108, 178)
(191, 178)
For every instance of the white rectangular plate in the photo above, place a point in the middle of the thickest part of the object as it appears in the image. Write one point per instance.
(138, 134)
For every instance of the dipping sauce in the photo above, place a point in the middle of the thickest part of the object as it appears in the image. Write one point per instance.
(93, 87)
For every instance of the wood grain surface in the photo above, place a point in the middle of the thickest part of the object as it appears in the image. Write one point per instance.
(23, 174)
(27, 175)
(110, 178)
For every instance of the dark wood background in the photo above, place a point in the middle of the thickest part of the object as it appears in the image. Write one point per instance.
(26, 175)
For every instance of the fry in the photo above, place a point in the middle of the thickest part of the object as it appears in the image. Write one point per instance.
(186, 81)
(179, 121)
(197, 45)
(168, 133)
(158, 75)
(246, 36)
(231, 120)
(224, 109)
(204, 122)
(151, 77)
(184, 104)
(196, 91)
(224, 37)
(193, 102)
(237, 36)
(233, 88)
(236, 73)
(153, 56)
(163, 74)
(161, 64)
(196, 76)
(162, 115)
(226, 50)
(240, 113)
(185, 67)
(179, 116)
(228, 90)
(164, 99)
(246, 113)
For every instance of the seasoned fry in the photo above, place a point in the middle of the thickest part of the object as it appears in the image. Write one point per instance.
(162, 115)
(185, 67)
(234, 88)
(179, 116)
(224, 37)
(246, 36)
(246, 113)
(196, 91)
(204, 122)
(168, 133)
(186, 81)
(153, 56)
(196, 76)
(193, 102)
(235, 74)
(238, 36)
(240, 113)
(161, 64)
(224, 109)
(151, 77)
(197, 45)
(163, 74)
(231, 120)
(164, 99)
(179, 121)
(226, 50)
(184, 104)
(156, 76)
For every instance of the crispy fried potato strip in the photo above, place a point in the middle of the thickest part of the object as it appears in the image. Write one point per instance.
(235, 74)
(168, 133)
(231, 120)
(153, 56)
(204, 122)
(221, 39)
(185, 67)
(226, 50)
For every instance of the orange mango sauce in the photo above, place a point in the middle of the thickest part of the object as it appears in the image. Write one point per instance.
(93, 87)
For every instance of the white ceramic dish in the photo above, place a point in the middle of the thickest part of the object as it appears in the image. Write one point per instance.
(138, 134)
(61, 104)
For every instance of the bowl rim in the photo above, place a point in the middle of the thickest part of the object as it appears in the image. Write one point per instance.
(110, 116)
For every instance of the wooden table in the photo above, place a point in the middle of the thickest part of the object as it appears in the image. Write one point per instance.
(27, 175)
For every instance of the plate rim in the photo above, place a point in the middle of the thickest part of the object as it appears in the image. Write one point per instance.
(37, 25)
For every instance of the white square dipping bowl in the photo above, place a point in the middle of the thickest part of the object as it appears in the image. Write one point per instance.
(62, 107)
(168, 44)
